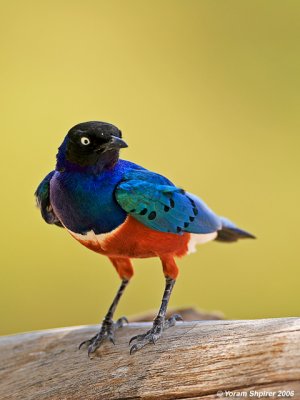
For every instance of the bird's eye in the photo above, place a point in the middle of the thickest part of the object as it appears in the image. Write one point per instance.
(85, 141)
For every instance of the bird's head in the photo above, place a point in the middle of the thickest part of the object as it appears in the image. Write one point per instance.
(91, 145)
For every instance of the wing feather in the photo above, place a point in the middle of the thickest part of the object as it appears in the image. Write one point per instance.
(42, 195)
(157, 203)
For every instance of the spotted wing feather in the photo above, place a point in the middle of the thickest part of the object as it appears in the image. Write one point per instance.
(157, 203)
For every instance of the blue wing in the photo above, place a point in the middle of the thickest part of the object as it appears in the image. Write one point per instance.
(154, 201)
(42, 195)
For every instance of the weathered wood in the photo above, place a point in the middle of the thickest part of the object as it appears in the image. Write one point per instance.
(187, 313)
(194, 360)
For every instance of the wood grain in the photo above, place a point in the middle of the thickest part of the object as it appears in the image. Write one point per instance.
(194, 360)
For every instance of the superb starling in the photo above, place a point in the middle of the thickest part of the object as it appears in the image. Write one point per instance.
(124, 211)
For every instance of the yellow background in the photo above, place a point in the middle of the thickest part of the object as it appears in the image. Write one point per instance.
(206, 93)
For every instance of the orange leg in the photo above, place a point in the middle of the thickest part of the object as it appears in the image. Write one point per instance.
(169, 266)
(123, 266)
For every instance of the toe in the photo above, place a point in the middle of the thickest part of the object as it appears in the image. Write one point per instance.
(91, 352)
(177, 317)
(133, 349)
(84, 344)
(121, 322)
(94, 346)
(140, 338)
(111, 339)
(87, 343)
(136, 347)
(107, 332)
(132, 339)
(172, 321)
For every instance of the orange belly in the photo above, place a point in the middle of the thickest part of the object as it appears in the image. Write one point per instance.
(135, 240)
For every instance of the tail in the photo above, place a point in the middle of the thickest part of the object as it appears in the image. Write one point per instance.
(231, 233)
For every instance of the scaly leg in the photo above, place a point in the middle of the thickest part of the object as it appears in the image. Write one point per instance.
(108, 327)
(160, 323)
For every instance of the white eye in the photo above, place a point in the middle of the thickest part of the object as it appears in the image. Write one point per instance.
(84, 140)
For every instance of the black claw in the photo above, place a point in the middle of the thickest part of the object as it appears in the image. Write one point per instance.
(133, 349)
(107, 332)
(120, 322)
(132, 339)
(86, 343)
(151, 336)
(81, 344)
(177, 317)
(90, 351)
(112, 340)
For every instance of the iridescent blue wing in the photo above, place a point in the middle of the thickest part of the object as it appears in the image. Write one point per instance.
(154, 201)
(42, 195)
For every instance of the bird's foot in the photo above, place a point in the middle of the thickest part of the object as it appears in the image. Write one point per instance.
(159, 325)
(107, 331)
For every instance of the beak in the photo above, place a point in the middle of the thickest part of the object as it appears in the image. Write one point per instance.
(117, 143)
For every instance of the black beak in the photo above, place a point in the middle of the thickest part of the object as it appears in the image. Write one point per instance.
(115, 143)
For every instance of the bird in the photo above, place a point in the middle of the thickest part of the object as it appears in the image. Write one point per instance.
(124, 211)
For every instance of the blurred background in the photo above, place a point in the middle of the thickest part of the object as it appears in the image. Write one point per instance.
(206, 92)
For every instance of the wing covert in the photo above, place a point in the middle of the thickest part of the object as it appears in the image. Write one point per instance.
(42, 195)
(154, 201)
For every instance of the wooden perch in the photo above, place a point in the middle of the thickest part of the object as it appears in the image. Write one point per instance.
(187, 313)
(194, 360)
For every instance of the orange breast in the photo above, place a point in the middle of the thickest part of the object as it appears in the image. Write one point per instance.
(135, 240)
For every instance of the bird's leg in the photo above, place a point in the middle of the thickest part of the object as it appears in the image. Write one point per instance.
(125, 270)
(160, 323)
(108, 326)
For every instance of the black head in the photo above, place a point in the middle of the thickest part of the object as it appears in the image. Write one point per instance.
(93, 144)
